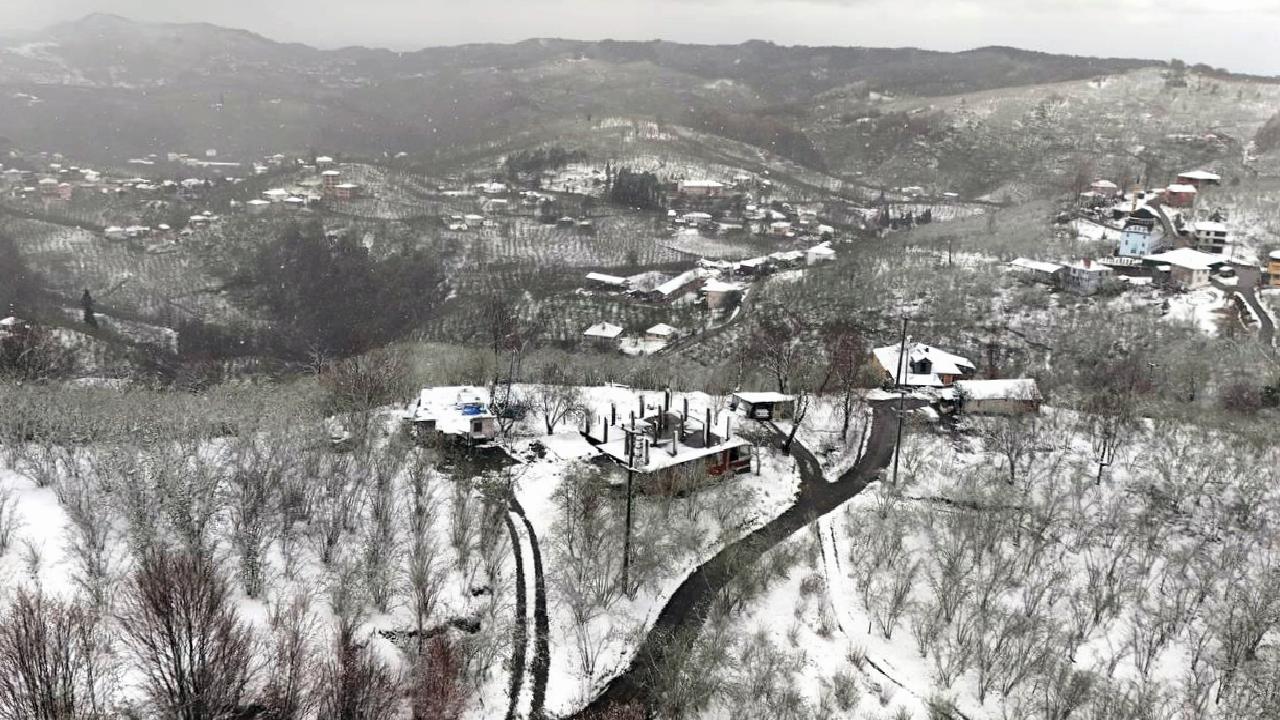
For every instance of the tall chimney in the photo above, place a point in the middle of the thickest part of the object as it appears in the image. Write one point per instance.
(613, 413)
(1088, 262)
(706, 430)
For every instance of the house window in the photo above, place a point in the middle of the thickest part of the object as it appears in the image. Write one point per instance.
(477, 426)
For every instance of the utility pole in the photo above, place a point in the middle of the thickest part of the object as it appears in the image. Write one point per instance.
(902, 361)
(626, 538)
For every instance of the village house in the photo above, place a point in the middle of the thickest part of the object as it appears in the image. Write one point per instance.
(1039, 271)
(1273, 268)
(1199, 178)
(275, 195)
(922, 366)
(12, 326)
(459, 415)
(345, 191)
(1187, 269)
(753, 267)
(257, 206)
(1142, 234)
(603, 334)
(329, 179)
(720, 294)
(819, 254)
(787, 259)
(1180, 195)
(601, 281)
(661, 332)
(676, 287)
(780, 229)
(1210, 236)
(1086, 277)
(763, 405)
(998, 397)
(701, 188)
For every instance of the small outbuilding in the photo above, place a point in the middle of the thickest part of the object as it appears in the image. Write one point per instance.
(603, 331)
(661, 332)
(764, 405)
(998, 397)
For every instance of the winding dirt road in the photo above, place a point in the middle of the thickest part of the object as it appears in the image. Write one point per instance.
(687, 609)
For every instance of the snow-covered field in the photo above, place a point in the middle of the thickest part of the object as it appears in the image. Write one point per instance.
(360, 532)
(1007, 593)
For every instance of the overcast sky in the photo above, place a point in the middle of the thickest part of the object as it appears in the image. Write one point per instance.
(1237, 34)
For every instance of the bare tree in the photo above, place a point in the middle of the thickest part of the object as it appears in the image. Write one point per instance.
(776, 346)
(8, 520)
(889, 600)
(554, 398)
(179, 622)
(380, 541)
(1014, 439)
(436, 690)
(54, 661)
(356, 685)
(290, 689)
(424, 571)
(848, 355)
(93, 537)
(586, 556)
(259, 466)
(337, 493)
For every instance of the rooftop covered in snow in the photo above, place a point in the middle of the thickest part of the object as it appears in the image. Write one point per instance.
(939, 363)
(604, 330)
(1186, 258)
(1017, 389)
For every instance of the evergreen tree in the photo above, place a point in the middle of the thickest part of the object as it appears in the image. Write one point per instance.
(86, 303)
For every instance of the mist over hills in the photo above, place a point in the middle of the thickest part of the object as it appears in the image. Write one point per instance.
(145, 82)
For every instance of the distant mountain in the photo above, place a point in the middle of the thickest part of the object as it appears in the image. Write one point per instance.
(107, 87)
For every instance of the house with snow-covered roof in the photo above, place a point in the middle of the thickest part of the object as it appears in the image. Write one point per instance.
(719, 294)
(1199, 178)
(1210, 236)
(603, 281)
(1038, 270)
(701, 188)
(921, 366)
(1142, 234)
(1086, 276)
(1188, 269)
(602, 334)
(1180, 195)
(998, 397)
(452, 414)
(764, 405)
(819, 253)
(661, 332)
